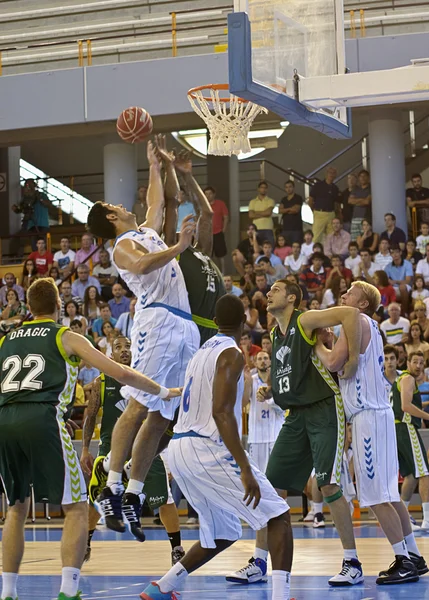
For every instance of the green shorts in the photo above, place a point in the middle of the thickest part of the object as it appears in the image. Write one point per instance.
(411, 451)
(311, 437)
(156, 486)
(35, 448)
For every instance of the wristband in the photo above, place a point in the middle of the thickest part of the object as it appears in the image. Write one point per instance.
(163, 392)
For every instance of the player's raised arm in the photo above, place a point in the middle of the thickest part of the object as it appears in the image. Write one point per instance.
(86, 460)
(77, 345)
(229, 367)
(155, 192)
(133, 257)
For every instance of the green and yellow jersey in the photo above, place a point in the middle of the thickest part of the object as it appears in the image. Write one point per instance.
(395, 400)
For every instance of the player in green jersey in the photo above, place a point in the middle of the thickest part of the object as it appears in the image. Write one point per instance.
(314, 430)
(106, 393)
(38, 376)
(407, 407)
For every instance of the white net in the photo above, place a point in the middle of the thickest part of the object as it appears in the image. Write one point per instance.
(228, 122)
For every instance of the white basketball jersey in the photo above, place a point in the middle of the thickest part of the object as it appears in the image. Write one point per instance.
(196, 405)
(367, 389)
(165, 285)
(265, 418)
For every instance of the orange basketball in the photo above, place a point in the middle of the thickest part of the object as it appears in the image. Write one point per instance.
(134, 124)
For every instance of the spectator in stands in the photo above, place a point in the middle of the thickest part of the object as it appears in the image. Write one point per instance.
(423, 266)
(220, 224)
(418, 198)
(14, 311)
(42, 258)
(86, 254)
(402, 356)
(140, 206)
(297, 261)
(337, 270)
(259, 301)
(244, 252)
(338, 241)
(267, 249)
(64, 258)
(395, 328)
(360, 199)
(272, 273)
(10, 284)
(119, 303)
(415, 341)
(106, 273)
(314, 277)
(105, 340)
(400, 273)
(92, 301)
(420, 292)
(282, 249)
(317, 247)
(353, 261)
(366, 267)
(126, 320)
(266, 344)
(420, 312)
(252, 324)
(422, 240)
(314, 304)
(247, 282)
(383, 257)
(368, 239)
(105, 317)
(83, 281)
(346, 207)
(249, 350)
(394, 234)
(294, 278)
(29, 274)
(71, 312)
(325, 201)
(55, 274)
(411, 254)
(66, 295)
(261, 285)
(290, 208)
(308, 245)
(333, 292)
(388, 294)
(34, 207)
(230, 288)
(78, 327)
(184, 208)
(260, 212)
(87, 374)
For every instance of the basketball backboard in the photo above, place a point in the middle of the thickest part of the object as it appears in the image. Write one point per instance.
(272, 43)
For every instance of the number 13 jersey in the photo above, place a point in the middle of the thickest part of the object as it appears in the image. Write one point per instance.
(196, 405)
(298, 377)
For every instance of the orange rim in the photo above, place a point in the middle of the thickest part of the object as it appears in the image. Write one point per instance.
(213, 86)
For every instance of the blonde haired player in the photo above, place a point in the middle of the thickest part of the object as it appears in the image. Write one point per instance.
(367, 407)
(265, 421)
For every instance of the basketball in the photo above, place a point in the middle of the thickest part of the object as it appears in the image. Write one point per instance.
(134, 125)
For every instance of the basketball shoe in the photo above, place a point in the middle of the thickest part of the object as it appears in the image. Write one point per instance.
(254, 572)
(152, 592)
(109, 505)
(420, 563)
(98, 479)
(62, 596)
(402, 570)
(319, 520)
(177, 554)
(350, 574)
(131, 510)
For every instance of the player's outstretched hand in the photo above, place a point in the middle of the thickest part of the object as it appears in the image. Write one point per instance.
(325, 336)
(86, 462)
(152, 155)
(161, 150)
(183, 162)
(263, 393)
(174, 392)
(251, 487)
(187, 232)
(350, 368)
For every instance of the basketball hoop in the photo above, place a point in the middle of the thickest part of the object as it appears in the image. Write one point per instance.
(228, 118)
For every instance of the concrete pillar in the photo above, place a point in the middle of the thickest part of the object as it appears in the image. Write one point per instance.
(10, 189)
(120, 174)
(387, 166)
(223, 173)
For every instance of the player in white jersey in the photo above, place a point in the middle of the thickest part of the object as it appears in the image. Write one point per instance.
(265, 421)
(163, 338)
(208, 462)
(367, 407)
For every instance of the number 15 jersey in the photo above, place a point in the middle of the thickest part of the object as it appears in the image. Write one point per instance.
(298, 377)
(196, 405)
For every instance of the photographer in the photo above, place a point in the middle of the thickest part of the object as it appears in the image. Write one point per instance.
(34, 207)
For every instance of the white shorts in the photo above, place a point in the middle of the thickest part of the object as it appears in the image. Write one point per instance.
(375, 457)
(260, 454)
(346, 482)
(162, 344)
(210, 480)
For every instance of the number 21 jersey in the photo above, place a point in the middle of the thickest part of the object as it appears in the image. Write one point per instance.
(298, 377)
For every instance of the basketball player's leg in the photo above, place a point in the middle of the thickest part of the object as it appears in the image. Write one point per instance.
(123, 436)
(13, 540)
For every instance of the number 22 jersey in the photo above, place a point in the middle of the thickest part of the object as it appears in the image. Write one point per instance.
(298, 377)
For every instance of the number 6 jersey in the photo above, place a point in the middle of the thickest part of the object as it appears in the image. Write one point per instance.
(35, 367)
(196, 405)
(298, 377)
